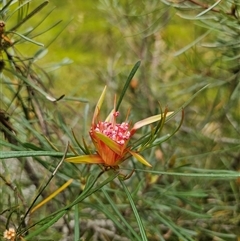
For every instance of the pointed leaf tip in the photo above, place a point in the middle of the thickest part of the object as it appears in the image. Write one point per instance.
(140, 158)
(99, 104)
(148, 121)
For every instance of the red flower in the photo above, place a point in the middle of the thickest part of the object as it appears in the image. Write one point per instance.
(111, 139)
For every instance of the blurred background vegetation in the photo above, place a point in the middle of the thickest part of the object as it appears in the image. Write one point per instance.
(75, 48)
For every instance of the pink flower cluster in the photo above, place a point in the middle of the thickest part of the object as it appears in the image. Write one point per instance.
(117, 132)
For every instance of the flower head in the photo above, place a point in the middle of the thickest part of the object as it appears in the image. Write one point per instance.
(9, 234)
(111, 139)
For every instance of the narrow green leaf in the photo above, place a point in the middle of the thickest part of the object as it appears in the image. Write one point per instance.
(47, 96)
(16, 154)
(103, 208)
(46, 30)
(226, 236)
(209, 9)
(40, 54)
(45, 226)
(132, 73)
(56, 36)
(169, 223)
(76, 223)
(186, 103)
(18, 10)
(37, 9)
(179, 52)
(114, 207)
(140, 158)
(99, 104)
(85, 159)
(32, 146)
(27, 39)
(134, 208)
(89, 190)
(220, 175)
(149, 120)
(7, 144)
(40, 22)
(5, 7)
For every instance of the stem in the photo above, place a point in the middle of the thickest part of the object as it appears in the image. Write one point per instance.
(205, 6)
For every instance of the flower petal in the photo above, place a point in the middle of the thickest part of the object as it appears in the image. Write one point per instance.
(99, 104)
(140, 158)
(117, 148)
(87, 159)
(148, 121)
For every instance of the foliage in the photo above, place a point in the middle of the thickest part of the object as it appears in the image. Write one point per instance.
(190, 59)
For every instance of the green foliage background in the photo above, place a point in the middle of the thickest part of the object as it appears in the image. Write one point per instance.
(190, 57)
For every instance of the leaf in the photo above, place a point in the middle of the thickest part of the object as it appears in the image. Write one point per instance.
(27, 39)
(49, 223)
(184, 49)
(16, 154)
(119, 215)
(134, 208)
(224, 175)
(148, 121)
(50, 197)
(87, 159)
(209, 9)
(132, 73)
(99, 105)
(37, 9)
(76, 223)
(140, 158)
(33, 85)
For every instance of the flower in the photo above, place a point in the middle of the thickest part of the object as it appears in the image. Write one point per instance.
(9, 234)
(111, 139)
